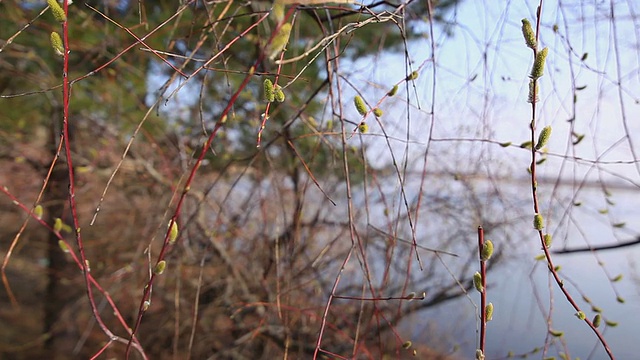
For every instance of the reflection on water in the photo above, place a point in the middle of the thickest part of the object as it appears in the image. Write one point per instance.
(524, 294)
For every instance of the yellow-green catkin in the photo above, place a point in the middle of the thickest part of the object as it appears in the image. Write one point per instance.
(611, 323)
(277, 11)
(533, 92)
(529, 35)
(279, 94)
(526, 145)
(159, 268)
(412, 76)
(543, 138)
(393, 91)
(57, 225)
(538, 64)
(488, 312)
(360, 105)
(547, 240)
(173, 234)
(269, 93)
(487, 250)
(477, 282)
(407, 344)
(581, 315)
(38, 211)
(56, 9)
(597, 320)
(363, 127)
(56, 44)
(538, 222)
(280, 41)
(556, 333)
(377, 112)
(63, 246)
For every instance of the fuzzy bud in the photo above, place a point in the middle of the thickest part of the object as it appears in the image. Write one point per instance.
(393, 91)
(529, 35)
(547, 240)
(63, 246)
(58, 12)
(360, 105)
(487, 250)
(533, 92)
(173, 234)
(38, 211)
(538, 222)
(543, 138)
(363, 127)
(538, 64)
(57, 225)
(556, 333)
(269, 94)
(412, 76)
(597, 320)
(159, 268)
(279, 42)
(56, 44)
(477, 282)
(279, 94)
(488, 312)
